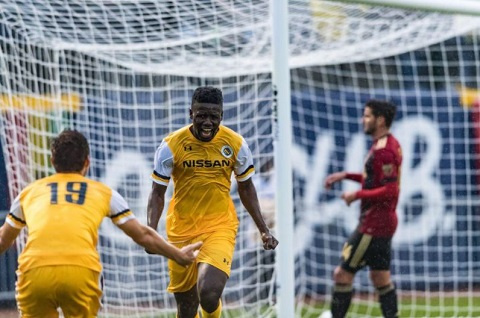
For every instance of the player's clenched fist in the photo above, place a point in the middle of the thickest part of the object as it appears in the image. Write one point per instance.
(269, 241)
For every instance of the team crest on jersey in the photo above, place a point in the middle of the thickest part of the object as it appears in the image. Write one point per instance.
(387, 169)
(227, 151)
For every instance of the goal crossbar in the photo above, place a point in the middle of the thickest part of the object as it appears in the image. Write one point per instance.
(467, 7)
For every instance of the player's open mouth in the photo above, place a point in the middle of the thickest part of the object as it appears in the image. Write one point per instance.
(206, 133)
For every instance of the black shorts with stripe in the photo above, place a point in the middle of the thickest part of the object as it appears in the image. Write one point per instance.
(365, 250)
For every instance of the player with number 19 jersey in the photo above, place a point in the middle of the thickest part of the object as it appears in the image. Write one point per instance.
(201, 173)
(63, 213)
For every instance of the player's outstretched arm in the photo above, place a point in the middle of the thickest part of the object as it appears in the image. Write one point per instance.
(8, 234)
(155, 243)
(248, 196)
(334, 177)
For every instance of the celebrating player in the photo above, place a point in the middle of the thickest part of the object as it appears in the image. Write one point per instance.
(200, 159)
(60, 266)
(370, 243)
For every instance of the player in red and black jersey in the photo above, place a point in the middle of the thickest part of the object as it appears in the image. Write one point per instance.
(370, 243)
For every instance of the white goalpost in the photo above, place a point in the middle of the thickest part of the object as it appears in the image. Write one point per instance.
(282, 121)
(295, 75)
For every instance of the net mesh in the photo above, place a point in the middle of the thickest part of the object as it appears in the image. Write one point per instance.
(122, 72)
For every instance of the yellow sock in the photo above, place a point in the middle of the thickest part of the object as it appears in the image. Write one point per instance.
(196, 316)
(216, 314)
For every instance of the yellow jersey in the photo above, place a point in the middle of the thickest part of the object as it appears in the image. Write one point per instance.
(63, 213)
(201, 173)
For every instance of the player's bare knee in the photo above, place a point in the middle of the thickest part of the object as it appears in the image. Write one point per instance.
(209, 298)
(380, 278)
(341, 276)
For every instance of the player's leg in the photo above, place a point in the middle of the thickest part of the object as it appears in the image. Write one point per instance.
(211, 282)
(215, 260)
(183, 284)
(35, 293)
(387, 294)
(342, 292)
(79, 294)
(379, 263)
(353, 259)
(187, 303)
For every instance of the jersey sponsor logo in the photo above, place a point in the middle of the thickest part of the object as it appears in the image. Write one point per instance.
(201, 163)
(227, 151)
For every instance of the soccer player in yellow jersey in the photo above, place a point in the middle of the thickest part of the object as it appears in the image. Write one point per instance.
(60, 266)
(200, 159)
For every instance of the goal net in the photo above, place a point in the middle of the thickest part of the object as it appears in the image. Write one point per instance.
(123, 72)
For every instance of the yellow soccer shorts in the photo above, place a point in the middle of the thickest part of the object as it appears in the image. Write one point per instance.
(217, 250)
(74, 289)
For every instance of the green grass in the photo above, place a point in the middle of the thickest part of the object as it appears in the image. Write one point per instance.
(410, 307)
(413, 307)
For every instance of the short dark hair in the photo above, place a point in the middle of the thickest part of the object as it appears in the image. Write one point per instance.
(208, 94)
(382, 108)
(69, 151)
